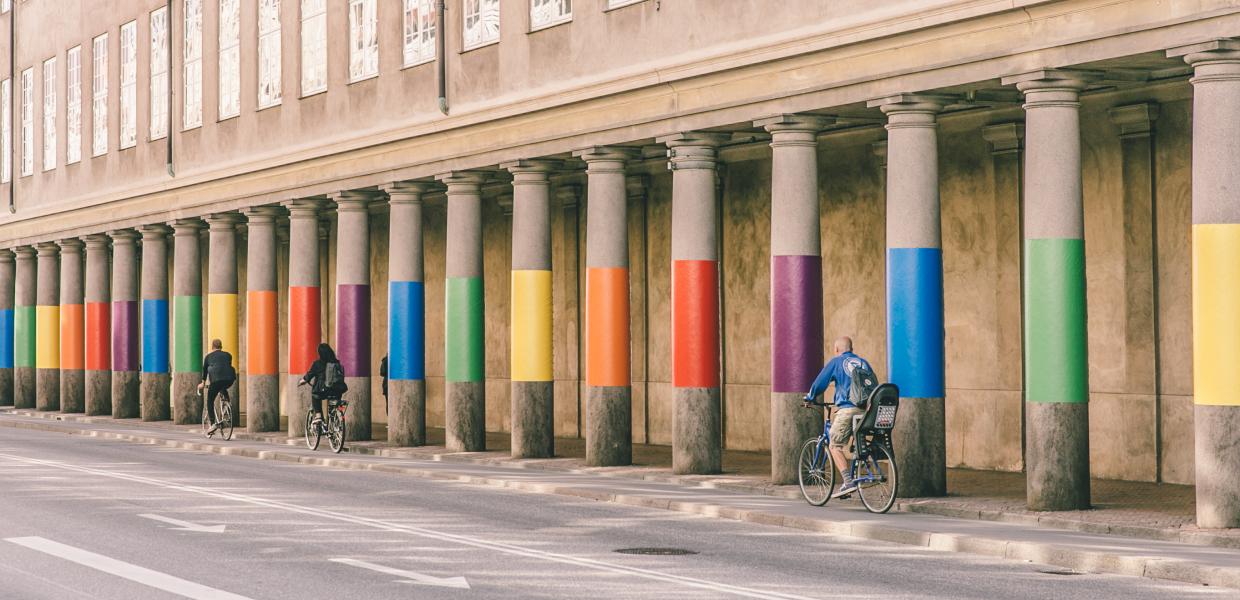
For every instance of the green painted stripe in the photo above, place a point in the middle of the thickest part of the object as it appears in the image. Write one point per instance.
(463, 333)
(1056, 356)
(23, 336)
(187, 337)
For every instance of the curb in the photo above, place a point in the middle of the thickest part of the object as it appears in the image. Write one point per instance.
(1042, 553)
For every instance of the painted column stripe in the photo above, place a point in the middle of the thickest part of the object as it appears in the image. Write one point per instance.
(464, 335)
(607, 327)
(222, 320)
(6, 338)
(1055, 347)
(304, 306)
(531, 325)
(125, 335)
(72, 342)
(1216, 322)
(796, 322)
(261, 333)
(915, 321)
(187, 341)
(98, 339)
(23, 336)
(154, 336)
(47, 347)
(406, 330)
(695, 324)
(353, 329)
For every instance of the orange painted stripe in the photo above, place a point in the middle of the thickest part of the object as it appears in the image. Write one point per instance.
(607, 326)
(98, 336)
(72, 345)
(262, 335)
(695, 323)
(303, 327)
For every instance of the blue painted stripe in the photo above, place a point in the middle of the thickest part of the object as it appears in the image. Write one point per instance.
(915, 321)
(154, 336)
(6, 338)
(406, 330)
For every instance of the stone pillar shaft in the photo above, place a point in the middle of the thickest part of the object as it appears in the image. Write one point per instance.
(155, 379)
(24, 327)
(72, 325)
(47, 324)
(222, 293)
(8, 277)
(406, 317)
(98, 327)
(304, 306)
(353, 306)
(262, 391)
(126, 303)
(187, 322)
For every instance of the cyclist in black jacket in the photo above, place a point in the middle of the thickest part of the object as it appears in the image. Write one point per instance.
(315, 377)
(217, 368)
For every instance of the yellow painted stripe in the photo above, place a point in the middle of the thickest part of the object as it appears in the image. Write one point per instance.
(222, 321)
(531, 326)
(47, 330)
(1216, 314)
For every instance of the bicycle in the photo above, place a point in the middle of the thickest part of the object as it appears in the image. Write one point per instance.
(223, 409)
(332, 425)
(873, 466)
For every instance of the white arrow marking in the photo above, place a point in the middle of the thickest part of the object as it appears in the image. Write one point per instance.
(410, 576)
(185, 525)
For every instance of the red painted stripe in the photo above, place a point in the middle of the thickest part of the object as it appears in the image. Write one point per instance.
(304, 307)
(607, 326)
(262, 333)
(99, 336)
(71, 343)
(695, 323)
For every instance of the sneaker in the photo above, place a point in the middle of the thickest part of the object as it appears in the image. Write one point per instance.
(845, 490)
(214, 428)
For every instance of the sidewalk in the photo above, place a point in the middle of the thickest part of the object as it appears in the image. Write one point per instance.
(1141, 529)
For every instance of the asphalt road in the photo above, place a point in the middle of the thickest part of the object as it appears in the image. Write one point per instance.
(86, 518)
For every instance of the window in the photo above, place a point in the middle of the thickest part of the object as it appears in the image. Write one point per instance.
(230, 58)
(481, 25)
(191, 53)
(363, 40)
(28, 122)
(6, 127)
(419, 31)
(313, 46)
(619, 3)
(159, 73)
(99, 96)
(129, 85)
(545, 13)
(268, 53)
(5, 6)
(49, 114)
(73, 105)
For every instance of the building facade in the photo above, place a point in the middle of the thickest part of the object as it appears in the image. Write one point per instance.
(643, 222)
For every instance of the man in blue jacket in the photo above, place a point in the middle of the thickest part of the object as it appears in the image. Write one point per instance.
(838, 371)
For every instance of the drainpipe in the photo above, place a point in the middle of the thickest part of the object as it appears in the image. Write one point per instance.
(170, 164)
(441, 42)
(12, 107)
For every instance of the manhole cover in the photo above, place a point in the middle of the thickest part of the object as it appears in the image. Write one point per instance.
(1059, 572)
(656, 551)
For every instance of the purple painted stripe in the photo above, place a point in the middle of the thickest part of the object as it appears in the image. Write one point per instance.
(125, 335)
(353, 329)
(796, 322)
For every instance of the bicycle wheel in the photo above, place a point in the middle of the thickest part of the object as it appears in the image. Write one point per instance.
(312, 431)
(816, 472)
(226, 420)
(878, 479)
(335, 430)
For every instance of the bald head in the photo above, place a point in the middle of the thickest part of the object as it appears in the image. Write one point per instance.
(842, 344)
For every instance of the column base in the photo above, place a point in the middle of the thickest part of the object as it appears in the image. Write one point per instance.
(298, 404)
(1216, 430)
(465, 416)
(1056, 455)
(791, 425)
(126, 395)
(920, 441)
(154, 396)
(47, 389)
(609, 426)
(262, 399)
(23, 387)
(697, 438)
(98, 393)
(357, 423)
(407, 412)
(186, 403)
(73, 391)
(533, 419)
(6, 387)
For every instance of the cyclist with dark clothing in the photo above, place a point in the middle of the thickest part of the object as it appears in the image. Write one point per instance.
(218, 371)
(318, 379)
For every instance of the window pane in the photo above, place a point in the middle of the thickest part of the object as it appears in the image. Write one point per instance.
(191, 113)
(550, 12)
(419, 21)
(73, 106)
(481, 22)
(363, 39)
(49, 114)
(230, 59)
(313, 46)
(28, 122)
(269, 70)
(129, 76)
(99, 96)
(6, 126)
(159, 73)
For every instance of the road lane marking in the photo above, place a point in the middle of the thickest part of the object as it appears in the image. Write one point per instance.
(111, 566)
(506, 548)
(409, 576)
(185, 525)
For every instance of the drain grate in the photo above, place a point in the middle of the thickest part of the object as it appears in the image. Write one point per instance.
(1060, 572)
(656, 551)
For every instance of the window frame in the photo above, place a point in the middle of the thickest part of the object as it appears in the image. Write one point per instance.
(271, 80)
(415, 34)
(127, 137)
(229, 56)
(482, 40)
(6, 130)
(159, 102)
(554, 21)
(99, 95)
(73, 105)
(363, 40)
(27, 124)
(50, 140)
(313, 57)
(191, 65)
(614, 4)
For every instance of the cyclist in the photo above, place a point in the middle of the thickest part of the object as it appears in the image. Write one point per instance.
(838, 371)
(326, 379)
(217, 368)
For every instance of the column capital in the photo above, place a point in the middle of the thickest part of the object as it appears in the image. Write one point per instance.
(693, 149)
(47, 249)
(123, 237)
(222, 221)
(24, 252)
(352, 200)
(1004, 137)
(463, 181)
(6, 256)
(70, 246)
(97, 241)
(261, 215)
(407, 192)
(539, 166)
(795, 123)
(505, 203)
(154, 232)
(635, 186)
(303, 207)
(1218, 51)
(568, 195)
(911, 110)
(601, 159)
(185, 226)
(1052, 80)
(1134, 120)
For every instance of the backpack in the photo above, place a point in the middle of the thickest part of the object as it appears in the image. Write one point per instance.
(863, 383)
(333, 378)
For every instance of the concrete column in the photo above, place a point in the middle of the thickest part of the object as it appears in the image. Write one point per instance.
(24, 330)
(465, 397)
(222, 293)
(609, 394)
(98, 327)
(697, 423)
(533, 413)
(262, 329)
(47, 326)
(304, 306)
(126, 303)
(1006, 153)
(155, 380)
(406, 316)
(1057, 398)
(187, 346)
(7, 279)
(72, 325)
(353, 306)
(796, 286)
(1216, 279)
(915, 360)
